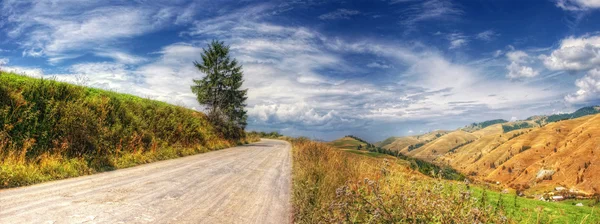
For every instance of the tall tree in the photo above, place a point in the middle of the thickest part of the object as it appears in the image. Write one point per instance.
(220, 90)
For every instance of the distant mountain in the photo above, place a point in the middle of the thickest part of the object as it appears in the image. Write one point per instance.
(478, 126)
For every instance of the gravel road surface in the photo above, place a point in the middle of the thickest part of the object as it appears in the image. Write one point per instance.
(245, 184)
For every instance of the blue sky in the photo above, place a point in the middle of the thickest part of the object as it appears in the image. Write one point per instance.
(324, 69)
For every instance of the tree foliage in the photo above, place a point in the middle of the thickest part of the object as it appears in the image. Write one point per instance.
(221, 90)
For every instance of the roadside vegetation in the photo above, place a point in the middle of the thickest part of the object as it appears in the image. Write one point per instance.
(262, 134)
(52, 130)
(333, 186)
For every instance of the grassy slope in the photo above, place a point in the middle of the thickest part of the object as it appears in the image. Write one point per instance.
(321, 173)
(575, 141)
(564, 147)
(402, 143)
(347, 143)
(52, 130)
(442, 145)
(492, 152)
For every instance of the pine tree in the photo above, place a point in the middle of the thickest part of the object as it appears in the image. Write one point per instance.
(220, 90)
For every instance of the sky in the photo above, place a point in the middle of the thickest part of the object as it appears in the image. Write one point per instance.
(325, 69)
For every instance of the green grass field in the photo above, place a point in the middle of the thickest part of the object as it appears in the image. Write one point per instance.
(527, 210)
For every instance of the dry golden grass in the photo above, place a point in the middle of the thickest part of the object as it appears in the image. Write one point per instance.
(442, 145)
(401, 143)
(333, 186)
(568, 148)
(490, 130)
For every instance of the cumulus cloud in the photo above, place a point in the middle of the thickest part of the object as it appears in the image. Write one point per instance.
(578, 54)
(589, 88)
(517, 68)
(339, 14)
(574, 54)
(298, 113)
(578, 5)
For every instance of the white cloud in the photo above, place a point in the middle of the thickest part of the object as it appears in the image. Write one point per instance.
(517, 56)
(518, 68)
(487, 35)
(516, 71)
(430, 10)
(121, 57)
(292, 114)
(574, 54)
(457, 43)
(339, 14)
(33, 72)
(578, 5)
(589, 88)
(378, 65)
(56, 29)
(457, 40)
(497, 53)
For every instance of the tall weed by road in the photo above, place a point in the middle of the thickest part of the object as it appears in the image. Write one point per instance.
(331, 186)
(52, 130)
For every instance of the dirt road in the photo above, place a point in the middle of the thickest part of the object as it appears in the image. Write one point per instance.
(245, 184)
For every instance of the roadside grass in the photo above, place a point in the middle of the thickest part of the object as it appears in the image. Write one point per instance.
(346, 186)
(52, 130)
(333, 186)
(368, 153)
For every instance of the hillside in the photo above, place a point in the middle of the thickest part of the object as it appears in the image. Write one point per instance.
(442, 145)
(478, 126)
(331, 185)
(53, 130)
(539, 159)
(535, 155)
(349, 142)
(559, 154)
(402, 144)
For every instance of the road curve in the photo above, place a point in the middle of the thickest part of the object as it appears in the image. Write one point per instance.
(244, 184)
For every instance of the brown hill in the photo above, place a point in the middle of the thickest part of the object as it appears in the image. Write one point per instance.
(565, 153)
(442, 145)
(402, 144)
